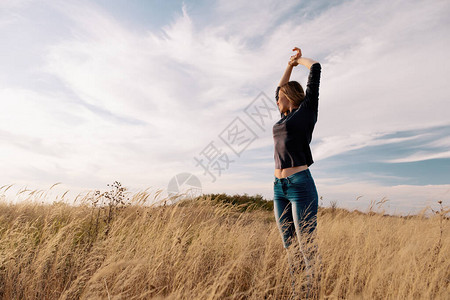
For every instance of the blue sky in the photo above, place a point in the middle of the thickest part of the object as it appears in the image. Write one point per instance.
(135, 91)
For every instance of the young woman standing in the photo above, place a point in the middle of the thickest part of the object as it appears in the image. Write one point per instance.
(295, 194)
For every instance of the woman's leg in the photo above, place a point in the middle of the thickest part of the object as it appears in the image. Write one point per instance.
(283, 215)
(305, 221)
(283, 212)
(303, 196)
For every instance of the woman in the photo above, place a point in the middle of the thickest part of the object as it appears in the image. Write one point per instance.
(295, 194)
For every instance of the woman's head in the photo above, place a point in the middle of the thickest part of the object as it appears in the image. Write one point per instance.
(293, 93)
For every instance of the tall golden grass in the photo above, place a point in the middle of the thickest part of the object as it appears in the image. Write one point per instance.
(204, 249)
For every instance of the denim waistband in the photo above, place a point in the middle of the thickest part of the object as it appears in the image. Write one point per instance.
(288, 178)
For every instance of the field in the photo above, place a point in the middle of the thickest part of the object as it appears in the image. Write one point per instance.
(211, 248)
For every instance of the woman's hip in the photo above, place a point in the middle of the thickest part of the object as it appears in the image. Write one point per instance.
(297, 187)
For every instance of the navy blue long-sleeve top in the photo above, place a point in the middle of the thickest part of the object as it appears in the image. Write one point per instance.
(292, 134)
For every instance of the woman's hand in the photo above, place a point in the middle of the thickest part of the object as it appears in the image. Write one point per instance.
(294, 58)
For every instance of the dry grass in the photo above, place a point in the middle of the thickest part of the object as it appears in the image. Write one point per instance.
(206, 250)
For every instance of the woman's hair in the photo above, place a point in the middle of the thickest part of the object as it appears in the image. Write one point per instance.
(294, 92)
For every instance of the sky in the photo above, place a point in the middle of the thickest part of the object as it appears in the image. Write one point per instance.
(161, 95)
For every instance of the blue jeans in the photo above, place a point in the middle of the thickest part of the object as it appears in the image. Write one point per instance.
(295, 206)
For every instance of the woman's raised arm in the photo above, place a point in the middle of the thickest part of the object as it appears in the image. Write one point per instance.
(295, 60)
(286, 75)
(291, 64)
(299, 59)
(307, 62)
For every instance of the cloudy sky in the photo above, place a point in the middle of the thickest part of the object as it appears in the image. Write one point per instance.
(142, 91)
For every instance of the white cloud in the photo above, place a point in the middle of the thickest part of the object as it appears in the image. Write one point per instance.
(402, 199)
(443, 142)
(366, 55)
(250, 19)
(375, 83)
(165, 95)
(334, 145)
(419, 156)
